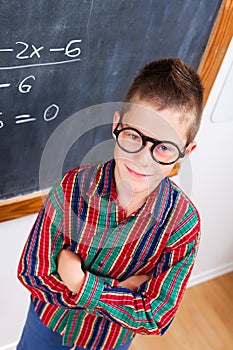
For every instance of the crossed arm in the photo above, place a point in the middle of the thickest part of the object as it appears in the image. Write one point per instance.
(142, 307)
(69, 268)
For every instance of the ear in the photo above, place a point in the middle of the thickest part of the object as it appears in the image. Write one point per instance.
(190, 148)
(116, 119)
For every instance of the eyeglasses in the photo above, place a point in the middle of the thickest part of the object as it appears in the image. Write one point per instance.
(132, 140)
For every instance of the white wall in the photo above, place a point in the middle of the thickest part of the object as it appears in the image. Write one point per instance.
(14, 298)
(211, 189)
(212, 167)
(211, 170)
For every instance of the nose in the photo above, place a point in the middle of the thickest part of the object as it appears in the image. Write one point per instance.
(144, 157)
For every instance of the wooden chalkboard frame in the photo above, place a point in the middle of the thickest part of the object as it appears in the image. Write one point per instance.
(216, 48)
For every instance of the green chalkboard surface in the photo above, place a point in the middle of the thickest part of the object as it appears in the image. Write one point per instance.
(58, 57)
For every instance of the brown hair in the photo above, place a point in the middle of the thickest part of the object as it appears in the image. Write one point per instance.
(170, 83)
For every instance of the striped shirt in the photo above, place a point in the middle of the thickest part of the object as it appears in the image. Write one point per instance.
(82, 214)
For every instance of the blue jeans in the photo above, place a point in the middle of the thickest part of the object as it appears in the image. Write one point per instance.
(36, 336)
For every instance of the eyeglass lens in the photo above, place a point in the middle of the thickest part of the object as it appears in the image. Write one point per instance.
(131, 141)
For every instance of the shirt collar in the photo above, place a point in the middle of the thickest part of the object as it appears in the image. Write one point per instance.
(157, 204)
(103, 182)
(161, 200)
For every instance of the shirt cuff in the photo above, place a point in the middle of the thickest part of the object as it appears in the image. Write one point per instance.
(90, 291)
(110, 282)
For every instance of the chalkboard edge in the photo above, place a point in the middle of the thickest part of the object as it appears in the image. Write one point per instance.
(217, 45)
(23, 205)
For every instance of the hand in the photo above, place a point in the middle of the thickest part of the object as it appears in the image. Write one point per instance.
(133, 282)
(70, 269)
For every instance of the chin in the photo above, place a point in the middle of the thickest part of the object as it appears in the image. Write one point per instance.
(139, 188)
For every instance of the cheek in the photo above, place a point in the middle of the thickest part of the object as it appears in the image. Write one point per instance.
(119, 154)
(116, 151)
(166, 169)
(161, 171)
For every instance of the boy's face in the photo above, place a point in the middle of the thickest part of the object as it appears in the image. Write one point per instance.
(139, 172)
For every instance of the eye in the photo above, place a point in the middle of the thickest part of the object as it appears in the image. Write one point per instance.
(134, 137)
(130, 135)
(164, 148)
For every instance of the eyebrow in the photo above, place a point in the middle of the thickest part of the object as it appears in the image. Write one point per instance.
(133, 127)
(129, 126)
(158, 139)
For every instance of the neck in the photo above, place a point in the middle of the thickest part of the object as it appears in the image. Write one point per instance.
(129, 200)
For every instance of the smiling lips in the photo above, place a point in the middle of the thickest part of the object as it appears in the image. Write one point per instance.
(135, 173)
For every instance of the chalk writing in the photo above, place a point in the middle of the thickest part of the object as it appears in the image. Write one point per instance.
(1, 122)
(25, 88)
(24, 118)
(5, 85)
(69, 51)
(6, 50)
(51, 112)
(25, 51)
(35, 51)
(39, 64)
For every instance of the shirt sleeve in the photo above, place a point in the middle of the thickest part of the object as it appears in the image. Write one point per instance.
(152, 308)
(37, 269)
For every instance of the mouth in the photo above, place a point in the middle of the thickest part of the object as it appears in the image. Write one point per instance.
(134, 173)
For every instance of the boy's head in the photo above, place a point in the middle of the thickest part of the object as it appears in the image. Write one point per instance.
(158, 122)
(170, 84)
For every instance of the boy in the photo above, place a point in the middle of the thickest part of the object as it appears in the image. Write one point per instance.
(111, 251)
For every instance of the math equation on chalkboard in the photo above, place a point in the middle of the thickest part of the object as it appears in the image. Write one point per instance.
(28, 55)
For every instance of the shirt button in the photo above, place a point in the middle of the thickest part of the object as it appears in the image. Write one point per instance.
(101, 263)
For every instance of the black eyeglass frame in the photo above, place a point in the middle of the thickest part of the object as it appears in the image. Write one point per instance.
(145, 139)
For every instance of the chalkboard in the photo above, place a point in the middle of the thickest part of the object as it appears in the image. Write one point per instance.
(58, 57)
